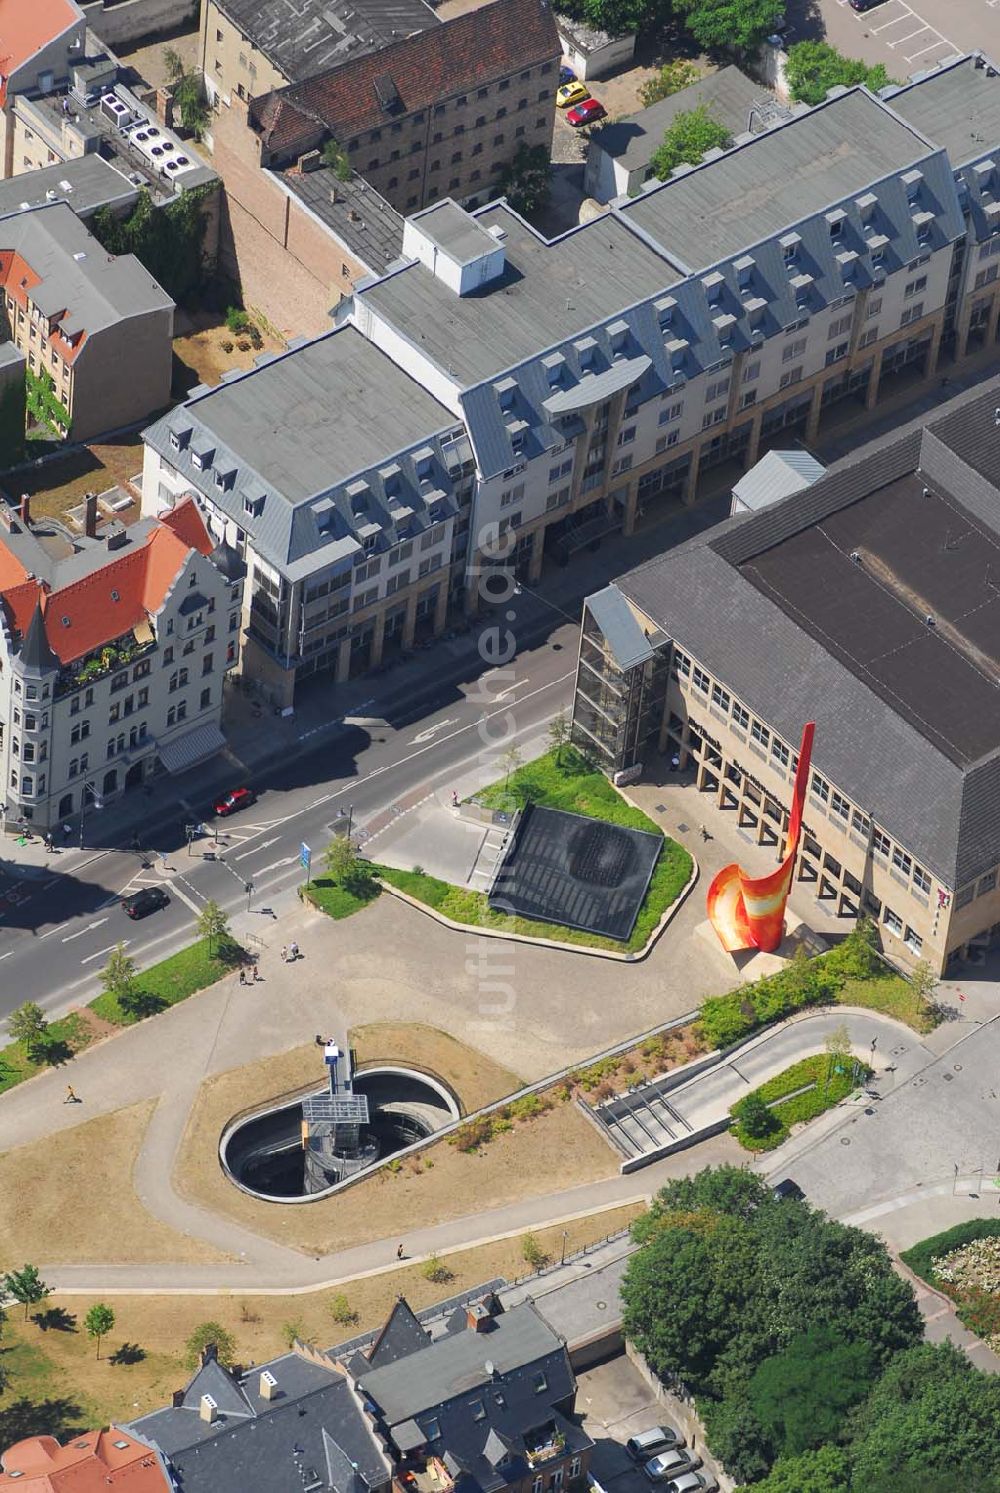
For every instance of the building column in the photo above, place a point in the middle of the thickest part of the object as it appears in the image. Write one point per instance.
(631, 509)
(760, 820)
(993, 325)
(871, 396)
(934, 351)
(441, 608)
(378, 641)
(815, 410)
(343, 672)
(537, 555)
(410, 620)
(753, 445)
(691, 483)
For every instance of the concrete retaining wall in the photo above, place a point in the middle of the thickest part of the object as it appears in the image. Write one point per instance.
(121, 22)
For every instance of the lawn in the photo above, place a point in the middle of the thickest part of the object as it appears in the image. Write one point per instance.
(574, 785)
(964, 1263)
(58, 1385)
(814, 1085)
(893, 996)
(337, 900)
(60, 484)
(174, 979)
(70, 1035)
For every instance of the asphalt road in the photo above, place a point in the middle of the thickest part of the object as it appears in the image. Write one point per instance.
(54, 944)
(905, 37)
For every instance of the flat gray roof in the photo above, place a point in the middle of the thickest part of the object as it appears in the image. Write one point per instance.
(86, 183)
(778, 178)
(374, 235)
(727, 94)
(958, 108)
(320, 413)
(305, 37)
(548, 292)
(10, 354)
(452, 229)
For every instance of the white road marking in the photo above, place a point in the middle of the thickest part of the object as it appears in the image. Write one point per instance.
(289, 860)
(109, 950)
(188, 901)
(6, 956)
(431, 731)
(89, 929)
(264, 845)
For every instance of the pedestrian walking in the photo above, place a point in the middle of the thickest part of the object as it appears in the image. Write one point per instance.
(293, 952)
(71, 1095)
(243, 975)
(284, 954)
(704, 833)
(454, 799)
(399, 1252)
(254, 974)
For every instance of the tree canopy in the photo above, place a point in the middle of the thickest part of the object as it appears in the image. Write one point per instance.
(814, 67)
(526, 179)
(800, 1396)
(686, 140)
(167, 240)
(729, 26)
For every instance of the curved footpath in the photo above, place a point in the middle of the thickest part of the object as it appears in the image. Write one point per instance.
(264, 1266)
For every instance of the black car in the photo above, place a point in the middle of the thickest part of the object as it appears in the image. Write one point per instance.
(788, 1189)
(864, 4)
(149, 899)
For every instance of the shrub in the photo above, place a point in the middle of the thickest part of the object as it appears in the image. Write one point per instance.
(237, 320)
(533, 1252)
(341, 1310)
(473, 1133)
(754, 1116)
(434, 1269)
(210, 1332)
(527, 1107)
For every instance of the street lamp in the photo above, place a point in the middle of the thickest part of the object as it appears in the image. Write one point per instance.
(565, 1237)
(248, 888)
(95, 799)
(190, 831)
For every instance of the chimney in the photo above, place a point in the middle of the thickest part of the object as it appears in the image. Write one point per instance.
(177, 1398)
(209, 1354)
(477, 1316)
(268, 1386)
(116, 538)
(90, 515)
(208, 1410)
(25, 509)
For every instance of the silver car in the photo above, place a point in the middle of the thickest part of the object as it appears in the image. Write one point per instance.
(646, 1444)
(693, 1482)
(669, 1465)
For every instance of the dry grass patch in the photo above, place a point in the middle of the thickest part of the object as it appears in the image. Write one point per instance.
(200, 349)
(69, 1198)
(64, 1361)
(476, 1079)
(60, 484)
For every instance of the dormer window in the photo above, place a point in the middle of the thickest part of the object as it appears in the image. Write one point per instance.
(665, 308)
(744, 267)
(790, 248)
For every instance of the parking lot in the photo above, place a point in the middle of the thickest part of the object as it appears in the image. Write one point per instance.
(615, 1402)
(906, 38)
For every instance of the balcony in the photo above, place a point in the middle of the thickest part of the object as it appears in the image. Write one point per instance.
(429, 1476)
(108, 660)
(544, 1444)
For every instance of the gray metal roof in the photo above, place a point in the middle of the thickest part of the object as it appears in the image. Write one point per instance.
(957, 107)
(257, 1443)
(454, 1365)
(619, 627)
(10, 355)
(305, 37)
(923, 695)
(548, 292)
(756, 190)
(362, 219)
(77, 276)
(777, 475)
(728, 95)
(86, 183)
(454, 231)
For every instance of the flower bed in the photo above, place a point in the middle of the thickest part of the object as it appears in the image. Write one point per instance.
(964, 1263)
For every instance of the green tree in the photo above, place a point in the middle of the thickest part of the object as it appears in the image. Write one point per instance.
(814, 67)
(801, 1395)
(118, 980)
(736, 1436)
(434, 1269)
(345, 865)
(210, 1332)
(838, 1051)
(213, 924)
(335, 156)
(99, 1321)
(617, 17)
(686, 140)
(532, 1252)
(27, 1024)
(722, 1189)
(27, 1287)
(729, 26)
(173, 64)
(511, 761)
(931, 1416)
(923, 980)
(671, 78)
(754, 1117)
(341, 1310)
(825, 1470)
(559, 733)
(189, 98)
(526, 179)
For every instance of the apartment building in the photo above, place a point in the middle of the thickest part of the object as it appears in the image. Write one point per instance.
(98, 327)
(39, 44)
(113, 649)
(90, 1463)
(248, 47)
(864, 602)
(347, 489)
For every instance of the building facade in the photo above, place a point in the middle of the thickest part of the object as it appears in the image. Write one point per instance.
(113, 650)
(863, 603)
(41, 43)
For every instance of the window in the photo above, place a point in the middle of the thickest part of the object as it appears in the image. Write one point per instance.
(965, 896)
(839, 327)
(205, 700)
(914, 287)
(881, 843)
(840, 806)
(921, 880)
(901, 860)
(892, 921)
(700, 679)
(874, 307)
(793, 350)
(626, 435)
(821, 788)
(985, 884)
(741, 717)
(623, 464)
(206, 664)
(759, 733)
(912, 940)
(793, 376)
(720, 697)
(716, 416)
(912, 313)
(716, 390)
(682, 663)
(751, 371)
(835, 354)
(780, 752)
(867, 338)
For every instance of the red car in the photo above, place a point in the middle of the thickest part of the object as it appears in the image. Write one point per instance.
(231, 803)
(589, 112)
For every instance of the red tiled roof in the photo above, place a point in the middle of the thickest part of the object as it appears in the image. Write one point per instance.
(28, 25)
(91, 1463)
(462, 54)
(85, 615)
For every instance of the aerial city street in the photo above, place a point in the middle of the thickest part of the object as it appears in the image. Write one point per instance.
(499, 746)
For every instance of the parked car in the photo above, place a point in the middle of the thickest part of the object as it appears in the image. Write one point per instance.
(566, 75)
(589, 112)
(670, 1465)
(864, 4)
(149, 899)
(571, 93)
(650, 1443)
(693, 1482)
(788, 1189)
(231, 803)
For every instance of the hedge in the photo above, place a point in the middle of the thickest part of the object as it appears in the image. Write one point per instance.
(829, 1088)
(920, 1257)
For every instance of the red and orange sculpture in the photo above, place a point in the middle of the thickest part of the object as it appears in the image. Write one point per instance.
(749, 912)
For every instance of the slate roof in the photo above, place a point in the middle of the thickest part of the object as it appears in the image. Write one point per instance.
(473, 49)
(308, 1436)
(805, 633)
(401, 1336)
(727, 94)
(362, 219)
(305, 37)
